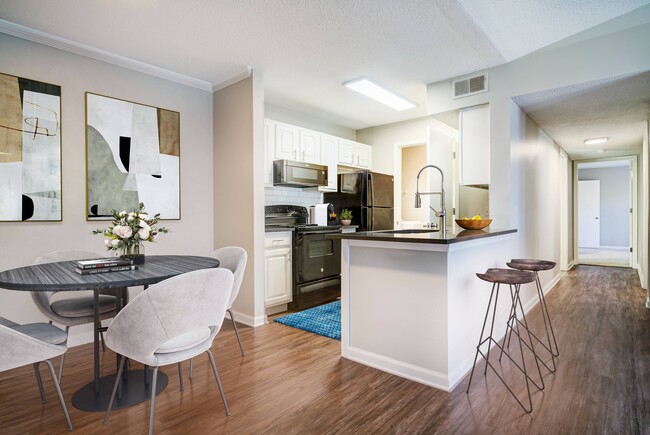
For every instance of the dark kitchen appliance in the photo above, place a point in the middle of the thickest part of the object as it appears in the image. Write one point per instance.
(298, 174)
(369, 195)
(316, 258)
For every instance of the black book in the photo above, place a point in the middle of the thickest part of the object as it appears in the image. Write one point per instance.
(106, 269)
(103, 262)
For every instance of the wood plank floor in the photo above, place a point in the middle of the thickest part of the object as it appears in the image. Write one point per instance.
(294, 382)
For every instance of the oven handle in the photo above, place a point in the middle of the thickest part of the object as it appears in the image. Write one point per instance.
(306, 233)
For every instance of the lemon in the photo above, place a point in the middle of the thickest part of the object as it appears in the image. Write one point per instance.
(477, 217)
(465, 218)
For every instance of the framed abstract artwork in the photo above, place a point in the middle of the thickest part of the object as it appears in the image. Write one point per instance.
(30, 150)
(133, 157)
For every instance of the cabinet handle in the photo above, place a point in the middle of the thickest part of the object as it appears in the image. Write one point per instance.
(294, 154)
(357, 160)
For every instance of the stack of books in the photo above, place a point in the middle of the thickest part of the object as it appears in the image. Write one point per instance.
(103, 265)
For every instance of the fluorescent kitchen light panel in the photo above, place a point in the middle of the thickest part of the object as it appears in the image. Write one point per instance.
(596, 140)
(379, 93)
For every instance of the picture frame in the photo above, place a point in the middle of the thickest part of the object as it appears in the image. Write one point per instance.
(30, 150)
(132, 157)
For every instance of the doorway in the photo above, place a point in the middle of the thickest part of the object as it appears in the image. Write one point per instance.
(605, 232)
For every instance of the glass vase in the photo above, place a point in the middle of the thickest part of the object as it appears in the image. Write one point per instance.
(134, 253)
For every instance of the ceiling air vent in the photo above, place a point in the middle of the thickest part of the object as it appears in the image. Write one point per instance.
(469, 86)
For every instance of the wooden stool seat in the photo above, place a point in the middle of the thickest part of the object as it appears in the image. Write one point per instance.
(507, 276)
(531, 265)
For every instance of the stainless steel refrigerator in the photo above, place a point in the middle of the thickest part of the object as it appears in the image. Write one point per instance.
(370, 197)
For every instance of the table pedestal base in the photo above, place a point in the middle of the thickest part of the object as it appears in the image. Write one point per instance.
(134, 391)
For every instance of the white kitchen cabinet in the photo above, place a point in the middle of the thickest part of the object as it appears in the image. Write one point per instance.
(269, 147)
(287, 142)
(329, 156)
(278, 277)
(364, 156)
(355, 154)
(475, 146)
(310, 145)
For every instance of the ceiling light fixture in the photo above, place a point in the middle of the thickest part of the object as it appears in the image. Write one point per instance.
(596, 140)
(380, 93)
(600, 151)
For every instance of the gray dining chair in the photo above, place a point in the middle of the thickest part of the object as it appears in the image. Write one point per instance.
(234, 259)
(79, 309)
(34, 344)
(158, 327)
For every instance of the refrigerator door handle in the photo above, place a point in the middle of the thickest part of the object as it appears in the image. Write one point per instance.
(371, 188)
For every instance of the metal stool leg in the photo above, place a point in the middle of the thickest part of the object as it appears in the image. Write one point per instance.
(532, 347)
(553, 347)
(480, 340)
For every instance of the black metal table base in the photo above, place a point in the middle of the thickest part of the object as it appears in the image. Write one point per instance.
(134, 391)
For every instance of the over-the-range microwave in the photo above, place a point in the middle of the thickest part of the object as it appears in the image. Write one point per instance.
(298, 174)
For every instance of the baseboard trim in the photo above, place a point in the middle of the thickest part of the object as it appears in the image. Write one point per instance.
(571, 265)
(248, 320)
(641, 277)
(412, 372)
(616, 248)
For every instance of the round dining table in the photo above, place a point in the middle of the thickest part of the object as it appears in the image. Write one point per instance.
(62, 276)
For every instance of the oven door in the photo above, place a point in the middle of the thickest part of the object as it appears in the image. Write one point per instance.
(316, 256)
(316, 292)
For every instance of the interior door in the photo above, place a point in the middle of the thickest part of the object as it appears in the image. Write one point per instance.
(589, 213)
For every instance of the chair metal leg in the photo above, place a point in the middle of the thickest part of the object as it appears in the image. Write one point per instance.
(216, 375)
(234, 325)
(153, 398)
(180, 376)
(39, 381)
(67, 328)
(59, 393)
(101, 336)
(191, 367)
(117, 382)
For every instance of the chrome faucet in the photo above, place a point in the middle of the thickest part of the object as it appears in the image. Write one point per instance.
(442, 214)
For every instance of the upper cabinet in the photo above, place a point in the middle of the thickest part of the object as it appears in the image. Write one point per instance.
(355, 154)
(475, 146)
(288, 142)
(329, 155)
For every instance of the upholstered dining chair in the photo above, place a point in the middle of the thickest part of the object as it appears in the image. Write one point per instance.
(234, 259)
(77, 310)
(172, 321)
(34, 344)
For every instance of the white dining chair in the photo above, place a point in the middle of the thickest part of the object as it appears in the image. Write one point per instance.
(172, 321)
(234, 259)
(77, 310)
(34, 344)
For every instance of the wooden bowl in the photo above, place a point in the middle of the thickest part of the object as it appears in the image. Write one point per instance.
(470, 224)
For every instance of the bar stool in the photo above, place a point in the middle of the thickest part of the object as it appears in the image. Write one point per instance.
(535, 266)
(514, 279)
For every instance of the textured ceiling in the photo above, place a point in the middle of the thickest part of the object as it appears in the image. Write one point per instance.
(616, 108)
(307, 48)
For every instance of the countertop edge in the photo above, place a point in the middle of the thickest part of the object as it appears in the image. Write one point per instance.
(381, 236)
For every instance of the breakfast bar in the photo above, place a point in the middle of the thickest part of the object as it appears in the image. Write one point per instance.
(411, 303)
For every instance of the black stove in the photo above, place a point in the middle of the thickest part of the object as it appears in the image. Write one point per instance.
(316, 258)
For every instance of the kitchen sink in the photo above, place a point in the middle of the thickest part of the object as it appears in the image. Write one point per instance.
(411, 231)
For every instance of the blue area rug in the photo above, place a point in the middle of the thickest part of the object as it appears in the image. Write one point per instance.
(323, 320)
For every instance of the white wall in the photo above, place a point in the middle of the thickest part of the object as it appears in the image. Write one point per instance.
(535, 191)
(614, 203)
(23, 242)
(238, 186)
(287, 116)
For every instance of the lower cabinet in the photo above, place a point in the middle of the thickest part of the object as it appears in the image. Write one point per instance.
(278, 276)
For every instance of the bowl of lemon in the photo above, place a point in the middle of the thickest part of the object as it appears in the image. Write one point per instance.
(473, 223)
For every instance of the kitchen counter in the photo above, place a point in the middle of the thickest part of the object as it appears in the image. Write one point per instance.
(424, 236)
(412, 305)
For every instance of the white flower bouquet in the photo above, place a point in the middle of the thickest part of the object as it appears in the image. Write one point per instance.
(129, 230)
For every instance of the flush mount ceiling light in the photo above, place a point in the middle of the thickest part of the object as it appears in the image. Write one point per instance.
(600, 151)
(380, 93)
(595, 140)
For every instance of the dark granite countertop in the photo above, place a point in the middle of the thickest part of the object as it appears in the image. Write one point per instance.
(423, 237)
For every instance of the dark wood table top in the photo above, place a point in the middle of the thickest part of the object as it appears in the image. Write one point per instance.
(62, 275)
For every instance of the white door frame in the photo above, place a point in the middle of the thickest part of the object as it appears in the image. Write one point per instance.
(634, 257)
(564, 211)
(397, 176)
